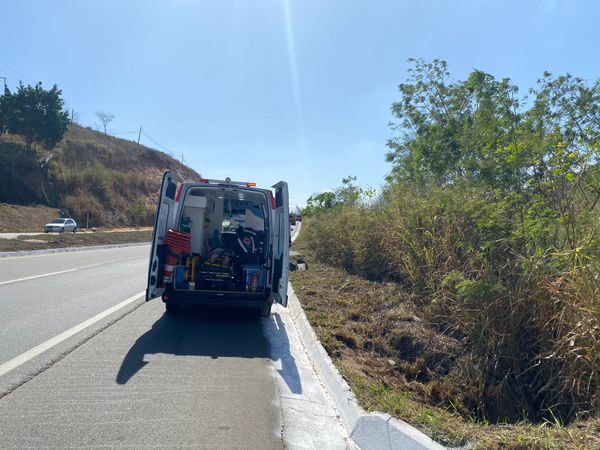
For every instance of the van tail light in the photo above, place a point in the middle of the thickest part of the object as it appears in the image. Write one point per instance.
(165, 297)
(178, 192)
(273, 204)
(250, 184)
(203, 180)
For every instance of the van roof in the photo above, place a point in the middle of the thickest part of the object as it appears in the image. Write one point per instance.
(226, 182)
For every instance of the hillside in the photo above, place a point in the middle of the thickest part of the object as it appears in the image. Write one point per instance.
(113, 179)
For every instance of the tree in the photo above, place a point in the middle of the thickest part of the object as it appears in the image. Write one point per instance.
(319, 202)
(105, 118)
(455, 130)
(535, 162)
(35, 114)
(345, 196)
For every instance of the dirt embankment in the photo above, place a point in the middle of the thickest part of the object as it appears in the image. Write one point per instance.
(18, 218)
(28, 219)
(112, 181)
(63, 240)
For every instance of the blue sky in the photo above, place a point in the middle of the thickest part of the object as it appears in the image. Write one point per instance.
(263, 90)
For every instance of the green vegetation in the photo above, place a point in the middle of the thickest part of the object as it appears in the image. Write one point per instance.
(490, 220)
(80, 171)
(349, 194)
(397, 361)
(34, 113)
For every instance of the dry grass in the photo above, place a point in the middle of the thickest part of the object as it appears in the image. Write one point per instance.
(378, 336)
(17, 218)
(114, 180)
(73, 240)
(525, 309)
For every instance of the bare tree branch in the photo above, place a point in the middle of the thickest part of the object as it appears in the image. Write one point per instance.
(105, 118)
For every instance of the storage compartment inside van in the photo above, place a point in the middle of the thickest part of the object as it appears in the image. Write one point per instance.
(229, 241)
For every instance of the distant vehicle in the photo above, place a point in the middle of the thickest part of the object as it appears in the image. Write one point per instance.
(61, 225)
(292, 219)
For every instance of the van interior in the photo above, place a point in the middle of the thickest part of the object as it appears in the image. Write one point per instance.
(229, 230)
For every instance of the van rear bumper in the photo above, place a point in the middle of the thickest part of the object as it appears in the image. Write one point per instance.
(216, 298)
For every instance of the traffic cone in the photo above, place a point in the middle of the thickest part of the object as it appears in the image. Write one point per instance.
(177, 243)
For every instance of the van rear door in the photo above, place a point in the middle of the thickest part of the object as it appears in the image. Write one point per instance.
(165, 218)
(281, 243)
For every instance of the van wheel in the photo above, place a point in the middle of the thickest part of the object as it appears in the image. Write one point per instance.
(171, 307)
(62, 230)
(74, 230)
(265, 311)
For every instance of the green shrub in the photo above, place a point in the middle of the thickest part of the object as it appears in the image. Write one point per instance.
(528, 315)
(491, 218)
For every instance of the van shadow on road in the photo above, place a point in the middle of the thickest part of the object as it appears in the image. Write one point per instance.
(216, 334)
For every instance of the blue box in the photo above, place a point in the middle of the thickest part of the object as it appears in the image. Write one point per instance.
(179, 278)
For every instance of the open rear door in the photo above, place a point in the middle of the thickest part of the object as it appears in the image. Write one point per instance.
(281, 243)
(165, 216)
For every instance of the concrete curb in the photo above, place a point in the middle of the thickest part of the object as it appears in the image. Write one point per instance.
(370, 431)
(296, 231)
(68, 249)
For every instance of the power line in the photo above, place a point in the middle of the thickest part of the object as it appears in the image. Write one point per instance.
(122, 131)
(157, 143)
(11, 80)
(141, 132)
(16, 74)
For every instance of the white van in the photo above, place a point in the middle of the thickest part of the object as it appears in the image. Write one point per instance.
(238, 249)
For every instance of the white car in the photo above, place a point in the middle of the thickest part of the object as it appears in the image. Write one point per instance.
(61, 225)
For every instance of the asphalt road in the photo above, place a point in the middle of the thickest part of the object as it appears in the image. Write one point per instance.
(43, 295)
(197, 379)
(153, 380)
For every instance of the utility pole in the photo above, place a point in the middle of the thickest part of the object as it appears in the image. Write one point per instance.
(72, 114)
(4, 78)
(139, 135)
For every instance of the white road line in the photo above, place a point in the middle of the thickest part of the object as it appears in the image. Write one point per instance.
(73, 270)
(35, 351)
(38, 276)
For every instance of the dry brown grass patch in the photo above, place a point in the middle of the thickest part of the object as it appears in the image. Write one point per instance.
(397, 362)
(63, 240)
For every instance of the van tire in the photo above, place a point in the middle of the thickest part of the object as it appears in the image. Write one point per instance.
(265, 310)
(75, 230)
(171, 308)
